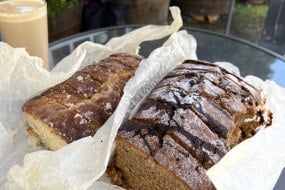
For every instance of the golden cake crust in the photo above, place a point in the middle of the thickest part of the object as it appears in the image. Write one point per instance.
(80, 105)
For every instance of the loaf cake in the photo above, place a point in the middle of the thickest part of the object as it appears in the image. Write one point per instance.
(188, 122)
(80, 105)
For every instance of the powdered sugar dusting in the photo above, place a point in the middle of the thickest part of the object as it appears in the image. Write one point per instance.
(70, 105)
(189, 99)
(68, 96)
(183, 84)
(211, 89)
(153, 113)
(108, 106)
(83, 121)
(77, 115)
(88, 114)
(79, 78)
(163, 94)
(194, 125)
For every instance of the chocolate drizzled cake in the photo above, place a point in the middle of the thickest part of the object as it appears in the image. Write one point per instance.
(187, 123)
(80, 105)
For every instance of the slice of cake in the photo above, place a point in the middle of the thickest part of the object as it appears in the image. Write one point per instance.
(80, 105)
(189, 121)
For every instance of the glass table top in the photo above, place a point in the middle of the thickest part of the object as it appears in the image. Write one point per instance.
(250, 58)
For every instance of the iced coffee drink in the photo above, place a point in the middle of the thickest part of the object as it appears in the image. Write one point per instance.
(23, 23)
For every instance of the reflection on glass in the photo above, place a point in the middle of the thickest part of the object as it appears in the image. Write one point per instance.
(278, 67)
(250, 60)
(211, 47)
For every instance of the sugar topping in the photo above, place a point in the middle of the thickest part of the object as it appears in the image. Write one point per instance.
(190, 99)
(153, 113)
(88, 114)
(108, 106)
(70, 105)
(77, 115)
(79, 78)
(68, 96)
(83, 121)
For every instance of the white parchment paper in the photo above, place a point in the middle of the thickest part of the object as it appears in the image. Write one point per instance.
(254, 164)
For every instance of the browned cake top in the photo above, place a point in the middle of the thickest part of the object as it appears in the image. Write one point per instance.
(218, 98)
(199, 106)
(78, 106)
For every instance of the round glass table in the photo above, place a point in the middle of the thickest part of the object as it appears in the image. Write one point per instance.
(250, 58)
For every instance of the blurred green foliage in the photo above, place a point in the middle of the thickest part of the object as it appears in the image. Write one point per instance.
(248, 21)
(54, 6)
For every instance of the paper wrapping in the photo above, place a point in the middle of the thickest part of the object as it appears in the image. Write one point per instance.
(81, 164)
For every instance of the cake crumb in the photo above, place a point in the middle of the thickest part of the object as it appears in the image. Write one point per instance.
(83, 121)
(108, 106)
(77, 115)
(70, 105)
(79, 78)
(68, 96)
(88, 114)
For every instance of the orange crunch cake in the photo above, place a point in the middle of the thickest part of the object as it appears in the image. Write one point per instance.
(80, 105)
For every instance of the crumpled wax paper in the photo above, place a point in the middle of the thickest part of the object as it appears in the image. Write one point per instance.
(254, 164)
(79, 164)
